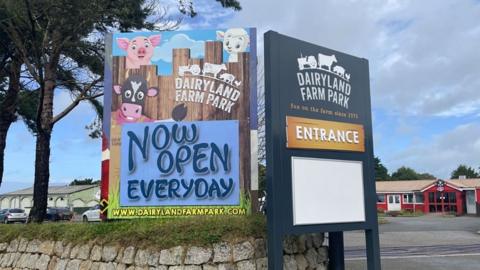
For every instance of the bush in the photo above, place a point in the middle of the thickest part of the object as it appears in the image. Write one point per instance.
(163, 233)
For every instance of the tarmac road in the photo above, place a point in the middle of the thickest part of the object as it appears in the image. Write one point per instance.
(428, 242)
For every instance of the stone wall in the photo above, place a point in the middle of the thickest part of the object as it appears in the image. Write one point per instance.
(302, 252)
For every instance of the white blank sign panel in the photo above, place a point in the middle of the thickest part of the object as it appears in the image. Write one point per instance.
(327, 191)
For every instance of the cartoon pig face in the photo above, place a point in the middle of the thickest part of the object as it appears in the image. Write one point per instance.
(139, 50)
(134, 91)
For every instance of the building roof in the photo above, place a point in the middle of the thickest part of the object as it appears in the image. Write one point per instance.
(52, 190)
(418, 185)
(403, 185)
(465, 183)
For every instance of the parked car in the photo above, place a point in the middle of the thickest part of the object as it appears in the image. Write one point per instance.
(56, 214)
(92, 214)
(13, 215)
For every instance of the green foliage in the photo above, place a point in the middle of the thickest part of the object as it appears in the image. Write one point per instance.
(262, 178)
(426, 176)
(231, 4)
(27, 108)
(86, 181)
(381, 172)
(468, 171)
(405, 173)
(161, 233)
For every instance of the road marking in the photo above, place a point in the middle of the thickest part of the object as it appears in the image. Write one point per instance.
(415, 256)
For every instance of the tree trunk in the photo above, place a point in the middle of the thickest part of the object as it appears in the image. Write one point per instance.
(8, 108)
(42, 153)
(42, 176)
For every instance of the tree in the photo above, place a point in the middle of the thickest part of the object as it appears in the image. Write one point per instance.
(15, 100)
(405, 173)
(86, 181)
(426, 176)
(60, 43)
(8, 101)
(381, 172)
(469, 172)
(46, 37)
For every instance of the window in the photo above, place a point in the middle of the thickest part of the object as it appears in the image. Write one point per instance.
(408, 198)
(419, 197)
(380, 198)
(431, 197)
(453, 197)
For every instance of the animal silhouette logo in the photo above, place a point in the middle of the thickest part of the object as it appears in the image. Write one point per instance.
(324, 62)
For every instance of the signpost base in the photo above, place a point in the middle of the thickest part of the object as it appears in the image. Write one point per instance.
(336, 251)
(373, 249)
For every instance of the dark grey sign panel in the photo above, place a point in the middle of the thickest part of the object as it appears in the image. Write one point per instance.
(320, 169)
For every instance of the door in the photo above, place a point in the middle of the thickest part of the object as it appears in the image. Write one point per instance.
(442, 202)
(394, 202)
(471, 207)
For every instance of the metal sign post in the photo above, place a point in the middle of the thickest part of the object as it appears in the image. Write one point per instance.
(320, 174)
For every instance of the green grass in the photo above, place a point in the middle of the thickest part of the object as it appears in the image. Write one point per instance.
(382, 221)
(161, 233)
(401, 213)
(411, 214)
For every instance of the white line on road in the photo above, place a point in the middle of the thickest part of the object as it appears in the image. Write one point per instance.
(415, 256)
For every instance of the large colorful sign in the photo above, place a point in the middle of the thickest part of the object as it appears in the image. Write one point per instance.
(179, 123)
(320, 174)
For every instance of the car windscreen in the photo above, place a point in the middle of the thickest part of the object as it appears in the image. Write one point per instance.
(16, 211)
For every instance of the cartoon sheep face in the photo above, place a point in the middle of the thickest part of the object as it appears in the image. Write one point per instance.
(235, 40)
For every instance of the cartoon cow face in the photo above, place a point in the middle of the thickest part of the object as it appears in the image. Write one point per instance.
(134, 91)
(139, 50)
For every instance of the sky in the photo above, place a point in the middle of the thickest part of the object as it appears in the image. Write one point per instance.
(424, 74)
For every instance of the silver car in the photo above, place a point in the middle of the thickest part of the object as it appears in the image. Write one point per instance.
(13, 215)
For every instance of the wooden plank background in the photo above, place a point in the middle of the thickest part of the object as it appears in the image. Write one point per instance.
(160, 106)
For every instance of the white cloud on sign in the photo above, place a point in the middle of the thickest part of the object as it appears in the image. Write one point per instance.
(164, 52)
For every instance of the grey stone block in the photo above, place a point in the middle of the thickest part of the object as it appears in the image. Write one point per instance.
(222, 252)
(243, 251)
(198, 255)
(172, 256)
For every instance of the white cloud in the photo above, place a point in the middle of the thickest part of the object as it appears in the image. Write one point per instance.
(164, 52)
(424, 67)
(442, 154)
(417, 49)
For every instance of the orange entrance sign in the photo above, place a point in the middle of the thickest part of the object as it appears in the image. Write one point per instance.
(308, 133)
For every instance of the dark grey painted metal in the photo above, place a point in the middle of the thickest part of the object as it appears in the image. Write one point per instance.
(281, 53)
(336, 251)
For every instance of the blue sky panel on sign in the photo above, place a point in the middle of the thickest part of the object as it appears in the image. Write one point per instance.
(162, 53)
(180, 163)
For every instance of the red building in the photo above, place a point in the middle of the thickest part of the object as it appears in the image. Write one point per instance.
(457, 196)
